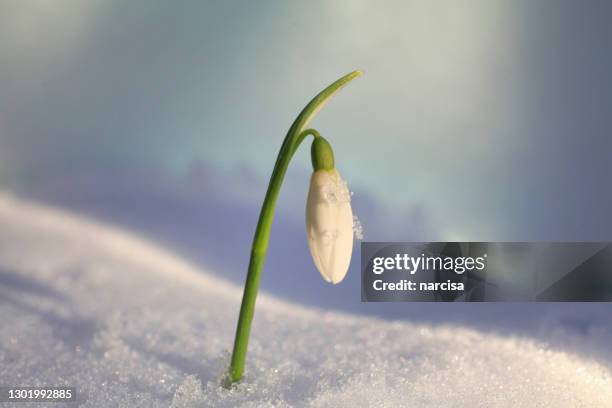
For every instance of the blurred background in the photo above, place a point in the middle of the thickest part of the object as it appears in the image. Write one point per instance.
(475, 120)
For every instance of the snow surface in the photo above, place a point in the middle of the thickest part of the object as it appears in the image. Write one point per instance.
(131, 325)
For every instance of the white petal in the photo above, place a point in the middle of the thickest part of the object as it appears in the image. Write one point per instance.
(329, 224)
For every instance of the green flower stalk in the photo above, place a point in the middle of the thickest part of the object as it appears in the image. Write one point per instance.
(326, 187)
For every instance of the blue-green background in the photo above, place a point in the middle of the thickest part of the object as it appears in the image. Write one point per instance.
(475, 120)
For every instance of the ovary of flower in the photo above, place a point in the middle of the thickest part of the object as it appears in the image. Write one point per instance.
(329, 224)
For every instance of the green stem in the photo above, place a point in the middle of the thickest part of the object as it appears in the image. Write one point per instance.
(295, 136)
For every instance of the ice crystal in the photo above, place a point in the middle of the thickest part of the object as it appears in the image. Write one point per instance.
(337, 192)
(357, 228)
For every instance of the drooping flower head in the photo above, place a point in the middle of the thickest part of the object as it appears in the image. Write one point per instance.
(329, 217)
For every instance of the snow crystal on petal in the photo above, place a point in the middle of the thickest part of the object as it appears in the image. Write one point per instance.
(357, 228)
(337, 192)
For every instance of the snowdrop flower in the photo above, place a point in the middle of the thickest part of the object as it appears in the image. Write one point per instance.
(329, 218)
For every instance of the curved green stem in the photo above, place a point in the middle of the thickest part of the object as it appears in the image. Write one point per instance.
(295, 136)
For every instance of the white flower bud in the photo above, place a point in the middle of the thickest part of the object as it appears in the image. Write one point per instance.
(329, 224)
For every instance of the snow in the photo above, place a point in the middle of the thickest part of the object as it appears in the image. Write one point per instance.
(130, 325)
